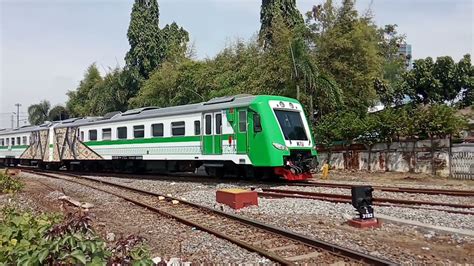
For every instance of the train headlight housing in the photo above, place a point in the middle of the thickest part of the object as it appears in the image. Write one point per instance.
(280, 146)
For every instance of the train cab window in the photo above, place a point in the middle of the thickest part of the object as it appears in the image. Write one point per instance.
(139, 132)
(18, 141)
(207, 121)
(257, 123)
(24, 141)
(243, 121)
(92, 134)
(106, 134)
(197, 127)
(122, 132)
(218, 124)
(177, 128)
(157, 130)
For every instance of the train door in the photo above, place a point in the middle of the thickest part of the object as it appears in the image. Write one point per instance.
(212, 137)
(218, 133)
(242, 131)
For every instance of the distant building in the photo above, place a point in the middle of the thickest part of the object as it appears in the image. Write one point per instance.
(405, 51)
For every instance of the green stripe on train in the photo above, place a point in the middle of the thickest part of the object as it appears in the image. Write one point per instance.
(145, 141)
(14, 147)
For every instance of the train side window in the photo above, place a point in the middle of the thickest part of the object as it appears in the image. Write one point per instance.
(13, 141)
(24, 140)
(197, 127)
(2, 142)
(139, 132)
(106, 134)
(7, 142)
(177, 128)
(257, 123)
(82, 136)
(218, 124)
(18, 141)
(157, 130)
(92, 134)
(208, 123)
(122, 132)
(243, 121)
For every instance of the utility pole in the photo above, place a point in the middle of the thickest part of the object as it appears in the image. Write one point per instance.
(17, 114)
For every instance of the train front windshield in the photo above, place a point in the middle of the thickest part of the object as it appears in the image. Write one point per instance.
(291, 124)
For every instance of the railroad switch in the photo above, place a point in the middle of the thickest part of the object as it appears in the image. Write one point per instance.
(362, 202)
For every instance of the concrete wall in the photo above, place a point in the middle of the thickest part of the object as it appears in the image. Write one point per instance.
(402, 156)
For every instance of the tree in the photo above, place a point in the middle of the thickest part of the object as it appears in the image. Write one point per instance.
(109, 95)
(38, 113)
(326, 132)
(174, 84)
(270, 11)
(389, 87)
(409, 125)
(465, 70)
(440, 81)
(370, 136)
(58, 113)
(440, 120)
(79, 102)
(319, 88)
(343, 126)
(147, 47)
(388, 129)
(347, 46)
(176, 42)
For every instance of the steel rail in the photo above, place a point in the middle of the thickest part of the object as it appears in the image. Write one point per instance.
(449, 192)
(280, 193)
(330, 248)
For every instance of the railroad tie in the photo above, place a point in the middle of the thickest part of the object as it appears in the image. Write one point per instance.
(283, 248)
(266, 241)
(304, 256)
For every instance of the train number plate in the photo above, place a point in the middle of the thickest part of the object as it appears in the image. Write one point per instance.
(299, 144)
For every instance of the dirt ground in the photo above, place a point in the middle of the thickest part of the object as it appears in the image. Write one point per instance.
(395, 179)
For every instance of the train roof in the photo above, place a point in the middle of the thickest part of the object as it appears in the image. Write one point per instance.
(145, 112)
(19, 130)
(152, 111)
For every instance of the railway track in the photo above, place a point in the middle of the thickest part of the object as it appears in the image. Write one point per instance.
(278, 245)
(340, 198)
(449, 192)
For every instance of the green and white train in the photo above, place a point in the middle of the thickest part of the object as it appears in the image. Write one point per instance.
(243, 135)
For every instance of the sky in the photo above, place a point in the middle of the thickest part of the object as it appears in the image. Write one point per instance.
(46, 45)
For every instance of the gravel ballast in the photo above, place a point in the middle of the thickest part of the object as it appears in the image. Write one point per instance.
(113, 216)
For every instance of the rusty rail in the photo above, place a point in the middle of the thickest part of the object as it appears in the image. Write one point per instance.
(449, 192)
(339, 198)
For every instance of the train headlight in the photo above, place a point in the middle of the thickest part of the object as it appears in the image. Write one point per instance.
(280, 147)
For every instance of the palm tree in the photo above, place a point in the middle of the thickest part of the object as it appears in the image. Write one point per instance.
(319, 88)
(38, 113)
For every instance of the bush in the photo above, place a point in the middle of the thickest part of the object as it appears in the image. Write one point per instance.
(9, 184)
(27, 239)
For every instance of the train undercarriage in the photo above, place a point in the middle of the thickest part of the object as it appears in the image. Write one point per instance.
(293, 170)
